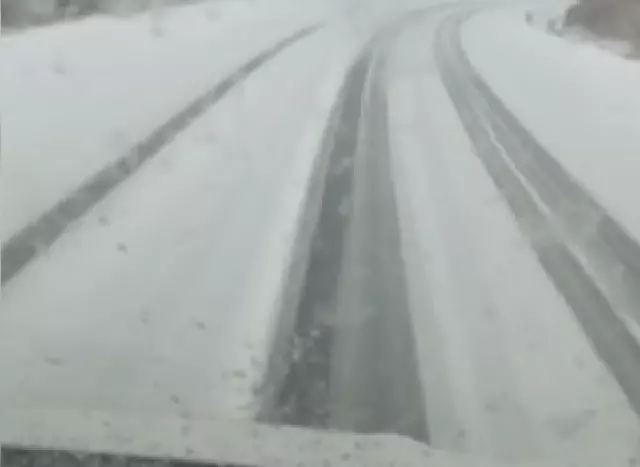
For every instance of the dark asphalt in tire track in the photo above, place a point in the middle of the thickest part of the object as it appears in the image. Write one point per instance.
(492, 128)
(350, 361)
(304, 396)
(38, 236)
(376, 386)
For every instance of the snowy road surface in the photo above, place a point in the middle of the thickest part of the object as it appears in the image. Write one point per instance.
(416, 219)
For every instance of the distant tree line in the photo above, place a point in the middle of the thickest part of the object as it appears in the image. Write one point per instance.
(25, 12)
(18, 13)
(611, 19)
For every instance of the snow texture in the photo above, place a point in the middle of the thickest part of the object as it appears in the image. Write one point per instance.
(507, 370)
(162, 300)
(76, 96)
(580, 102)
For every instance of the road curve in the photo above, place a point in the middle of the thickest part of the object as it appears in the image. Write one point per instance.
(578, 244)
(344, 352)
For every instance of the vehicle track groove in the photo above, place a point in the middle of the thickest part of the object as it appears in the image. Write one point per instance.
(351, 358)
(304, 397)
(38, 236)
(497, 135)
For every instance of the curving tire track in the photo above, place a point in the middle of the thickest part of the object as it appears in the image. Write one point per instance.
(38, 236)
(590, 259)
(304, 398)
(347, 356)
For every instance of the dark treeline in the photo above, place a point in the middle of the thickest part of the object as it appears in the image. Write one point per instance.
(610, 19)
(20, 13)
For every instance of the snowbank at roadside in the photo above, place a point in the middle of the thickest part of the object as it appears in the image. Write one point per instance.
(548, 14)
(580, 102)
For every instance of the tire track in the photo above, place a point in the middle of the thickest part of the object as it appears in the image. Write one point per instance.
(609, 247)
(38, 236)
(349, 359)
(304, 396)
(376, 385)
(570, 256)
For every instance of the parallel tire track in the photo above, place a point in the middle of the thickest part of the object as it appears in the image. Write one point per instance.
(376, 383)
(304, 397)
(553, 230)
(349, 359)
(38, 236)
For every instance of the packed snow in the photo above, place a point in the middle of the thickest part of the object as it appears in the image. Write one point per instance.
(580, 102)
(162, 300)
(508, 371)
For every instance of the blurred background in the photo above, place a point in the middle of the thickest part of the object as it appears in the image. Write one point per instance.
(610, 19)
(21, 13)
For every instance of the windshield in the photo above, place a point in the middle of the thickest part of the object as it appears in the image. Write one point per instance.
(413, 219)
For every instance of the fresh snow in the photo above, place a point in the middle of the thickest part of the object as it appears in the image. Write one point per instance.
(154, 313)
(77, 96)
(161, 301)
(508, 372)
(544, 13)
(580, 102)
(235, 442)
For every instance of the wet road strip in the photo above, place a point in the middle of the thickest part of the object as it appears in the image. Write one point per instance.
(351, 360)
(304, 395)
(375, 379)
(38, 236)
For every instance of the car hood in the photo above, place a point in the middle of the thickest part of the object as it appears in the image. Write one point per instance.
(96, 439)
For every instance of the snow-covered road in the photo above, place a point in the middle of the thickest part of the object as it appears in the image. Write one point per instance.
(415, 219)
